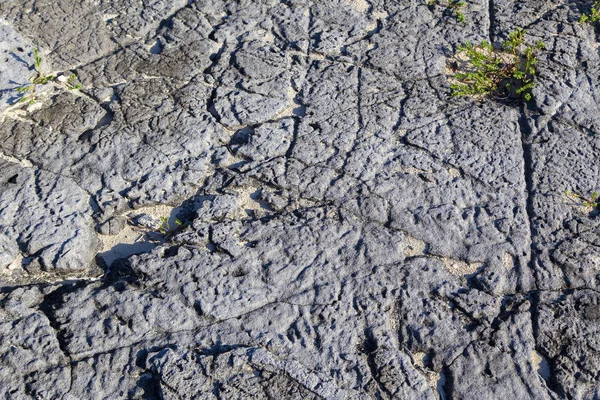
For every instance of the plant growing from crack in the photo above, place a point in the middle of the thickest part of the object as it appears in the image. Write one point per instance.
(453, 6)
(28, 91)
(592, 201)
(499, 73)
(166, 229)
(594, 14)
(71, 83)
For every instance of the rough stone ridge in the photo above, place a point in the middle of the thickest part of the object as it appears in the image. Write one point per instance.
(279, 199)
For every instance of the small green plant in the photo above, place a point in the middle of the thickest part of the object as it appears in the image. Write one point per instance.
(592, 201)
(41, 77)
(71, 84)
(28, 91)
(497, 72)
(594, 14)
(454, 6)
(165, 227)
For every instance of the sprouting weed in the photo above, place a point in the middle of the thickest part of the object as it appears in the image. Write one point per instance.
(498, 72)
(592, 201)
(165, 227)
(453, 6)
(28, 91)
(71, 84)
(594, 14)
(41, 78)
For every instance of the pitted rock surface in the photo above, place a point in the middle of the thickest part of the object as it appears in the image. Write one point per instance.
(280, 199)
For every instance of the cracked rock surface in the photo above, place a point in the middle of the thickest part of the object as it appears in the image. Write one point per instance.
(279, 199)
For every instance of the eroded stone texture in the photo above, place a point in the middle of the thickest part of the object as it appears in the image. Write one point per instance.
(30, 346)
(568, 325)
(47, 228)
(334, 224)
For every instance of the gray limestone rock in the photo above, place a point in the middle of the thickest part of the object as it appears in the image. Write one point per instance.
(30, 346)
(568, 324)
(46, 225)
(237, 374)
(347, 229)
(15, 64)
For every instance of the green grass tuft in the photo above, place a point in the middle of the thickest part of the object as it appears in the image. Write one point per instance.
(500, 73)
(593, 16)
(28, 91)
